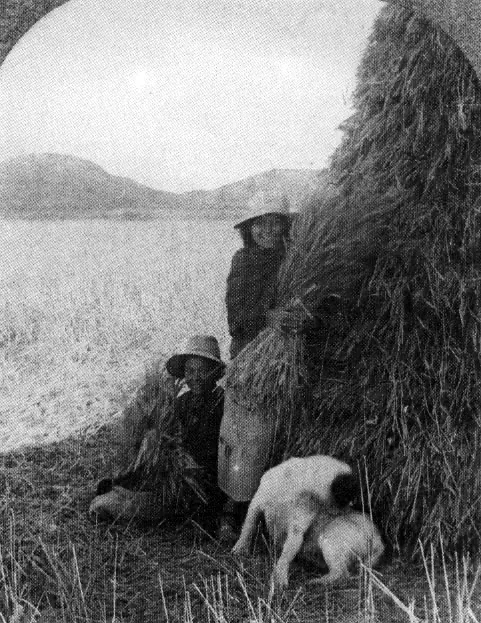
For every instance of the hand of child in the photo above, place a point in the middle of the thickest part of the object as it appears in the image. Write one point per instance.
(287, 320)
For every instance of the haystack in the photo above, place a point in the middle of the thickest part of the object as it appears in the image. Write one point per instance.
(392, 275)
(410, 394)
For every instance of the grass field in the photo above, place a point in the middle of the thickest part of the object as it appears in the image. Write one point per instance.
(85, 306)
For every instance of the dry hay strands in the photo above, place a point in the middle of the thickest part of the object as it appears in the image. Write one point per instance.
(151, 406)
(414, 143)
(268, 370)
(425, 482)
(334, 248)
(416, 133)
(412, 416)
(153, 450)
(170, 471)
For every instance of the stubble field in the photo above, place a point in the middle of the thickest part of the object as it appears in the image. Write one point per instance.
(85, 307)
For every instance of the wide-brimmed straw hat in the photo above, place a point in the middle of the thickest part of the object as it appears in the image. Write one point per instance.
(205, 346)
(262, 203)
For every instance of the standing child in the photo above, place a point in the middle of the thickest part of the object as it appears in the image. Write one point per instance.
(252, 278)
(197, 418)
(250, 298)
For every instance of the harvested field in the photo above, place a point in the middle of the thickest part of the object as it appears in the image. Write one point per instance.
(59, 565)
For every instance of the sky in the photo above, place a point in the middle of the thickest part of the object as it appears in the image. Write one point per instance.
(185, 94)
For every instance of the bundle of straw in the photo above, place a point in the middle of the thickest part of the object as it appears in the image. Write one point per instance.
(153, 451)
(154, 395)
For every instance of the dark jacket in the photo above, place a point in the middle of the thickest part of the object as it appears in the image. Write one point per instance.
(250, 293)
(199, 422)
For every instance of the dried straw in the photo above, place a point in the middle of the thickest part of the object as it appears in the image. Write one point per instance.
(406, 338)
(153, 444)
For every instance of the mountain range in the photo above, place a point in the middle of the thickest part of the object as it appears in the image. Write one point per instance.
(53, 186)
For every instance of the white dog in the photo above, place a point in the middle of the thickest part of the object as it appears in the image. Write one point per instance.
(344, 540)
(304, 503)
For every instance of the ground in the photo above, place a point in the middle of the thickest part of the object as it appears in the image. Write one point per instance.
(59, 564)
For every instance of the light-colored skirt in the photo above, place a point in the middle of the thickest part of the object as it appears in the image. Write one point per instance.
(246, 440)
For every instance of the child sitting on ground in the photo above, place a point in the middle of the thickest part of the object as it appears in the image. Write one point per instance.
(190, 438)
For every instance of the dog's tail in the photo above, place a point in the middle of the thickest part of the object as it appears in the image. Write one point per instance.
(345, 490)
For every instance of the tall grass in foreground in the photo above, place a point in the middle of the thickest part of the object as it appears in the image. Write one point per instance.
(451, 597)
(86, 304)
(82, 586)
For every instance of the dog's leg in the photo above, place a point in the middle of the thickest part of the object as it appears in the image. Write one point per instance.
(376, 549)
(299, 523)
(254, 512)
(339, 550)
(338, 567)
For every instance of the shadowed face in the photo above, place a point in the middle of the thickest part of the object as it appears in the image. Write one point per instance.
(267, 231)
(200, 374)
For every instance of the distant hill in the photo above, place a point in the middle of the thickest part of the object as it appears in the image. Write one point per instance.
(59, 186)
(297, 184)
(48, 186)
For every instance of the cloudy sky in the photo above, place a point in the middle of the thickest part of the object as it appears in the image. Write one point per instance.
(183, 94)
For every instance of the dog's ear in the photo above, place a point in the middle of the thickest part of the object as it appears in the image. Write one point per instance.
(345, 490)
